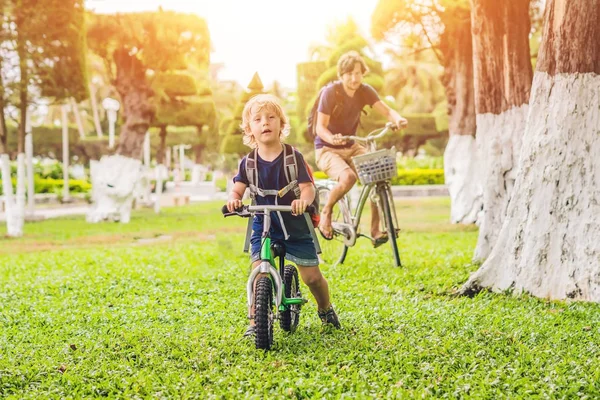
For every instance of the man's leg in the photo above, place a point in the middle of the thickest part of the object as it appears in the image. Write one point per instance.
(346, 180)
(378, 236)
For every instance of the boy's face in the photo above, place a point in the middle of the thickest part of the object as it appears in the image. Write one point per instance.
(352, 80)
(265, 125)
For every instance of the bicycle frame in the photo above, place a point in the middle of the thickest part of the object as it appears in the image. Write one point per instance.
(356, 214)
(268, 266)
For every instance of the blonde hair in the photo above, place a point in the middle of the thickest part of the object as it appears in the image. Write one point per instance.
(261, 101)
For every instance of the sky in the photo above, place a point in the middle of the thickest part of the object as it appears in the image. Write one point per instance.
(265, 36)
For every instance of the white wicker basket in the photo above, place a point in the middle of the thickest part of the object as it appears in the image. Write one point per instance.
(377, 166)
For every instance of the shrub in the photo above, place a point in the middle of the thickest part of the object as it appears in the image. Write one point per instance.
(409, 177)
(49, 185)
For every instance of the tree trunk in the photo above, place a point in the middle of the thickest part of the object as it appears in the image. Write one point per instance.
(119, 177)
(548, 245)
(3, 129)
(77, 114)
(135, 94)
(460, 157)
(503, 73)
(199, 148)
(160, 154)
(95, 113)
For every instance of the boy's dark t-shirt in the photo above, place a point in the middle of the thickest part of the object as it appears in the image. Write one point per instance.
(271, 176)
(347, 122)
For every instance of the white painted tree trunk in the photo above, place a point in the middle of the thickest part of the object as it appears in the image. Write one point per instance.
(499, 143)
(162, 173)
(30, 174)
(65, 153)
(463, 178)
(549, 243)
(14, 225)
(20, 192)
(115, 180)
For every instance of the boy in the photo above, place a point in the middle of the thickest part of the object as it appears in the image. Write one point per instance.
(265, 126)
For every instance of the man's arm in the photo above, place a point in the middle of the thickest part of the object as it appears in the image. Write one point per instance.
(391, 115)
(324, 133)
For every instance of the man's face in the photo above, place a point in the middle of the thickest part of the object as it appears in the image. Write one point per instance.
(352, 80)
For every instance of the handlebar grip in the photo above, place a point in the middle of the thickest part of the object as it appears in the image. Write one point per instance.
(311, 209)
(226, 213)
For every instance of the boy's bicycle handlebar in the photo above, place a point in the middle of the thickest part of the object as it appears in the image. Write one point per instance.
(247, 211)
(370, 137)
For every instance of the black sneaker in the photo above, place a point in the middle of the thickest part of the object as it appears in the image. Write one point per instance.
(251, 331)
(330, 317)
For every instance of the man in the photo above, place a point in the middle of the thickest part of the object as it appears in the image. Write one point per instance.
(334, 121)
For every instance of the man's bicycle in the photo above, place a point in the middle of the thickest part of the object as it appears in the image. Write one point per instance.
(375, 172)
(276, 293)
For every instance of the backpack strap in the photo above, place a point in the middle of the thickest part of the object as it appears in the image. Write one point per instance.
(290, 165)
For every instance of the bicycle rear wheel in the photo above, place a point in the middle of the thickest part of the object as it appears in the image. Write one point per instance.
(385, 196)
(288, 319)
(334, 251)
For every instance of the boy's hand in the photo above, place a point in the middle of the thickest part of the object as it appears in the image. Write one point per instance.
(232, 205)
(299, 206)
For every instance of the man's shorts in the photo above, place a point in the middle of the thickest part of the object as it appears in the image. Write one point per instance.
(334, 161)
(301, 252)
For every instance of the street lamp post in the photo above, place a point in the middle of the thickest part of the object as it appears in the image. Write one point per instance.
(111, 106)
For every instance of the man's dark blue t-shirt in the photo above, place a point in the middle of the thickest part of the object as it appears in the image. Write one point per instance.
(346, 122)
(271, 176)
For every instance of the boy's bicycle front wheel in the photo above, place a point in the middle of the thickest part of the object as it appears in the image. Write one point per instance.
(263, 314)
(334, 251)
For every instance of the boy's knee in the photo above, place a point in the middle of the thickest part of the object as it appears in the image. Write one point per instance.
(312, 279)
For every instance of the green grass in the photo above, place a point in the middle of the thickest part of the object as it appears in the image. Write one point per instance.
(93, 311)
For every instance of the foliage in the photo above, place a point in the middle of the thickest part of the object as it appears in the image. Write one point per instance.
(232, 141)
(408, 176)
(109, 316)
(419, 177)
(50, 185)
(136, 45)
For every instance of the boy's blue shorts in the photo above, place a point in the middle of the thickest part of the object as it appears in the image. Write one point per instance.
(301, 252)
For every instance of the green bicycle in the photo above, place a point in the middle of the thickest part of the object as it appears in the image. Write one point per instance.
(375, 172)
(276, 293)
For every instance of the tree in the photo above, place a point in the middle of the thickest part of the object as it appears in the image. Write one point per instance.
(444, 28)
(181, 100)
(232, 141)
(43, 48)
(503, 74)
(548, 244)
(135, 46)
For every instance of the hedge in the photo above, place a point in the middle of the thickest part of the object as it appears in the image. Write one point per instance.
(409, 177)
(49, 185)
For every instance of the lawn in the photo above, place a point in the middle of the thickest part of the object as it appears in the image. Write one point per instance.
(156, 309)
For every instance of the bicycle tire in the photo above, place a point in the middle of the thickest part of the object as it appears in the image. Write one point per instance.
(385, 196)
(263, 314)
(334, 251)
(288, 319)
